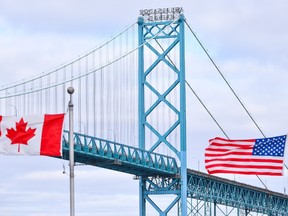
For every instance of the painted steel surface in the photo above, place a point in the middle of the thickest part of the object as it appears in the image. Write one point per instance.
(111, 155)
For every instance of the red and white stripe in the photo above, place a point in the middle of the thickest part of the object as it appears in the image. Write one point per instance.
(235, 157)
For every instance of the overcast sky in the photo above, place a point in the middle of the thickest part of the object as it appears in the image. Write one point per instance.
(247, 39)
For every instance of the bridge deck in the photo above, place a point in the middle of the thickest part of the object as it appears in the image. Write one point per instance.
(231, 193)
(111, 155)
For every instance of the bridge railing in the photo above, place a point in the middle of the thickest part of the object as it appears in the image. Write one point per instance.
(120, 152)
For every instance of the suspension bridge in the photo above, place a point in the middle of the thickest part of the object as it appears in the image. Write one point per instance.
(130, 116)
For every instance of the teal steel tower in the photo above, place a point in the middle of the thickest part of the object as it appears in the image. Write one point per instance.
(162, 38)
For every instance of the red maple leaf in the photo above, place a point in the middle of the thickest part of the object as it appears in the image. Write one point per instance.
(20, 135)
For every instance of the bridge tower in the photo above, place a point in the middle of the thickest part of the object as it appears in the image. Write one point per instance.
(164, 116)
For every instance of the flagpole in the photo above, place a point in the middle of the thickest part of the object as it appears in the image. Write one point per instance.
(70, 91)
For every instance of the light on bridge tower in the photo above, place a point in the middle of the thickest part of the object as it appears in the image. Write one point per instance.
(161, 33)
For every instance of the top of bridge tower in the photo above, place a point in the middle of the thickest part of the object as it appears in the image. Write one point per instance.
(161, 14)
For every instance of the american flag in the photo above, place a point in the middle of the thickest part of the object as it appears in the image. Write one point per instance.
(249, 157)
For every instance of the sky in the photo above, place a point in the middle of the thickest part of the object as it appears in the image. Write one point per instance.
(247, 40)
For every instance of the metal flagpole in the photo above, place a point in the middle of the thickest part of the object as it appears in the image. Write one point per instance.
(70, 91)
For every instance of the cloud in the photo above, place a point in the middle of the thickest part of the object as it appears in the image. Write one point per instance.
(247, 40)
(46, 191)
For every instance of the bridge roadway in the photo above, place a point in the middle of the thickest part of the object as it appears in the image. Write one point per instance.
(208, 188)
(112, 155)
(222, 191)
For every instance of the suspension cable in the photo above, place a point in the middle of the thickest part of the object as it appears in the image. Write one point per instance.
(222, 75)
(15, 84)
(205, 107)
(230, 87)
(42, 88)
(193, 91)
(207, 110)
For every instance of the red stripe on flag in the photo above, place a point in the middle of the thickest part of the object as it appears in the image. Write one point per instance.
(245, 172)
(215, 144)
(225, 150)
(227, 153)
(216, 139)
(246, 160)
(51, 135)
(244, 166)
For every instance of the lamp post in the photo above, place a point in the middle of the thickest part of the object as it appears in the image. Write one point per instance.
(70, 91)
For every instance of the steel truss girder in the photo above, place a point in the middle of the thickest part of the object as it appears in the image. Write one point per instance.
(201, 187)
(224, 192)
(111, 155)
(206, 208)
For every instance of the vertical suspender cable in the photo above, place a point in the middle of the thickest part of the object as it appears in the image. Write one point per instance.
(101, 96)
(106, 89)
(40, 97)
(123, 88)
(79, 98)
(24, 100)
(101, 104)
(48, 104)
(133, 103)
(28, 107)
(87, 100)
(31, 101)
(34, 97)
(64, 88)
(117, 97)
(127, 99)
(94, 96)
(7, 108)
(114, 98)
(120, 87)
(55, 93)
(15, 101)
(71, 74)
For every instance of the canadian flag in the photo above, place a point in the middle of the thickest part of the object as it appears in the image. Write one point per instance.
(31, 135)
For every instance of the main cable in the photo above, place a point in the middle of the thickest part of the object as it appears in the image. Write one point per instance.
(193, 91)
(222, 75)
(42, 88)
(230, 87)
(39, 76)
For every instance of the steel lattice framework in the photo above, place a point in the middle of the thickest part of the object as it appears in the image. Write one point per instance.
(161, 39)
(205, 193)
(124, 158)
(221, 191)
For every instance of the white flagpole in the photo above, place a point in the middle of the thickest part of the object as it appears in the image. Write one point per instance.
(70, 91)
